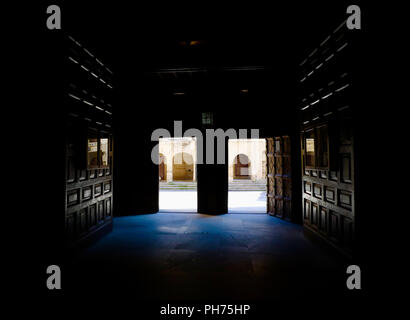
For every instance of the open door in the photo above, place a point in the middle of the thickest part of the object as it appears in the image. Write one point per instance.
(279, 177)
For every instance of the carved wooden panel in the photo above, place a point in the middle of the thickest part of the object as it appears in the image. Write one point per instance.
(323, 220)
(70, 225)
(279, 177)
(270, 175)
(92, 216)
(327, 142)
(306, 209)
(101, 209)
(82, 221)
(89, 191)
(314, 215)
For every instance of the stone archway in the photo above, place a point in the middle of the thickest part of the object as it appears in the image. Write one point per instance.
(183, 167)
(241, 167)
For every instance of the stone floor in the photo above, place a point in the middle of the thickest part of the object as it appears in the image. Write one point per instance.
(238, 201)
(174, 256)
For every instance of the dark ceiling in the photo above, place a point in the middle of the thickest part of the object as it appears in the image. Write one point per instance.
(147, 37)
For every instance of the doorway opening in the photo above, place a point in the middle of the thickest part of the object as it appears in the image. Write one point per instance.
(247, 176)
(177, 174)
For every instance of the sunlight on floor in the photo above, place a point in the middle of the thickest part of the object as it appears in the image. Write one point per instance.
(178, 201)
(247, 201)
(239, 201)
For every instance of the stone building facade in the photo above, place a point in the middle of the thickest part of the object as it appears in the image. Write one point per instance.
(178, 156)
(177, 159)
(247, 159)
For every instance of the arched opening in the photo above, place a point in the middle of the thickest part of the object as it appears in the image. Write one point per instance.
(162, 168)
(241, 167)
(183, 167)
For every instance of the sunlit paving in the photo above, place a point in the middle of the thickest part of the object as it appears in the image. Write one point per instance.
(239, 201)
(247, 201)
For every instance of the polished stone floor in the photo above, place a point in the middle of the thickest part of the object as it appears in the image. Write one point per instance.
(172, 256)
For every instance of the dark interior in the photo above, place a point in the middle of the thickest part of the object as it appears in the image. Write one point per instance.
(292, 70)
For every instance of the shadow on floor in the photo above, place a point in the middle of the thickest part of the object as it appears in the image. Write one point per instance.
(171, 256)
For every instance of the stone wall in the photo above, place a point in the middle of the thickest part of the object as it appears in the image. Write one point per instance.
(174, 150)
(182, 153)
(255, 151)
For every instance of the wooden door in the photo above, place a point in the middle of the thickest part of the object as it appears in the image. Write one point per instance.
(162, 175)
(327, 141)
(183, 167)
(279, 177)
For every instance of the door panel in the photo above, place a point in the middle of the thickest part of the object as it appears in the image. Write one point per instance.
(279, 177)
